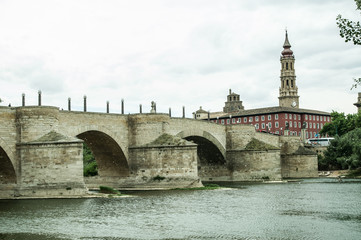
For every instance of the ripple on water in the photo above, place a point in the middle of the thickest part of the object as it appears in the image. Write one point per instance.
(252, 211)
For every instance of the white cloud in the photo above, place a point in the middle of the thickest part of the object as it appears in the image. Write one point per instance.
(174, 52)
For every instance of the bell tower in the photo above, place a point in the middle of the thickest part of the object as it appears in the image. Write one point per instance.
(288, 96)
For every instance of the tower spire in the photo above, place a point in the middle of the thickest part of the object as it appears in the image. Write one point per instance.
(287, 47)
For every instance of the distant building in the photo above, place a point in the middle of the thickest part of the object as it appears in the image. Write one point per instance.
(286, 119)
(358, 104)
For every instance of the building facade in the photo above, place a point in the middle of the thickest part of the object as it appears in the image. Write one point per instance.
(286, 119)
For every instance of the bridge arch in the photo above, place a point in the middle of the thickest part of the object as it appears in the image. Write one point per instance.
(211, 154)
(108, 154)
(206, 135)
(7, 170)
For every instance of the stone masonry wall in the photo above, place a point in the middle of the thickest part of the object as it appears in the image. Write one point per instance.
(176, 164)
(299, 166)
(8, 133)
(254, 165)
(51, 169)
(33, 122)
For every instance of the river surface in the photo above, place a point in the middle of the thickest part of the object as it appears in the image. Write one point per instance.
(311, 209)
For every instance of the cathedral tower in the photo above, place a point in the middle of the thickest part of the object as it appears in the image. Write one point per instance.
(288, 96)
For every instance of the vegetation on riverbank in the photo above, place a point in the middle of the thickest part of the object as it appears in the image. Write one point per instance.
(344, 152)
(206, 187)
(354, 173)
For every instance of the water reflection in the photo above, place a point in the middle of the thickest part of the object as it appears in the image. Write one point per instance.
(307, 210)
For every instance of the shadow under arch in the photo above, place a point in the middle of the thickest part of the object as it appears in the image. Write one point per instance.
(211, 160)
(205, 135)
(108, 154)
(7, 171)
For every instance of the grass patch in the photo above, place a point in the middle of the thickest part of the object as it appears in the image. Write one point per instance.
(354, 173)
(109, 190)
(206, 187)
(257, 145)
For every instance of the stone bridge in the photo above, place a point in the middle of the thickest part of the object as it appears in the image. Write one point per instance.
(41, 152)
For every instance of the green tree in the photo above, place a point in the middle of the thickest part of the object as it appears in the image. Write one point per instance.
(351, 31)
(341, 124)
(344, 152)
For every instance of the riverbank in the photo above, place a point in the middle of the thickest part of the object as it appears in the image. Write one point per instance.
(340, 174)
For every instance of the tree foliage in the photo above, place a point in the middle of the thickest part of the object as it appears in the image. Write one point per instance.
(351, 31)
(89, 163)
(341, 124)
(344, 152)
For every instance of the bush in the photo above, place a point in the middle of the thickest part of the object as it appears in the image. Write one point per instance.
(91, 169)
(105, 189)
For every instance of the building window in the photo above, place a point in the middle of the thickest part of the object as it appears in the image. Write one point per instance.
(299, 117)
(276, 116)
(250, 119)
(313, 117)
(314, 125)
(321, 125)
(257, 126)
(306, 134)
(239, 120)
(295, 124)
(276, 125)
(233, 120)
(324, 118)
(294, 116)
(328, 119)
(286, 115)
(227, 121)
(269, 125)
(245, 119)
(222, 121)
(306, 117)
(318, 118)
(262, 118)
(269, 117)
(306, 124)
(256, 118)
(263, 125)
(318, 126)
(290, 124)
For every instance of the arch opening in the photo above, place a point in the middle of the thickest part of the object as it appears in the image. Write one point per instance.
(108, 155)
(211, 162)
(7, 171)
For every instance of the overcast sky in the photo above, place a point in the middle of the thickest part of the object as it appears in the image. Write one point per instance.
(176, 53)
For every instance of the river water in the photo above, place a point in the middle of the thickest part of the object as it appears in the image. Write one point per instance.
(311, 209)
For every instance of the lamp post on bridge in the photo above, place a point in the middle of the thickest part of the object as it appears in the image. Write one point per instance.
(39, 98)
(23, 99)
(84, 103)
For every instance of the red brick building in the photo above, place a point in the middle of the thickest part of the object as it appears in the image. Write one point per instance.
(286, 118)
